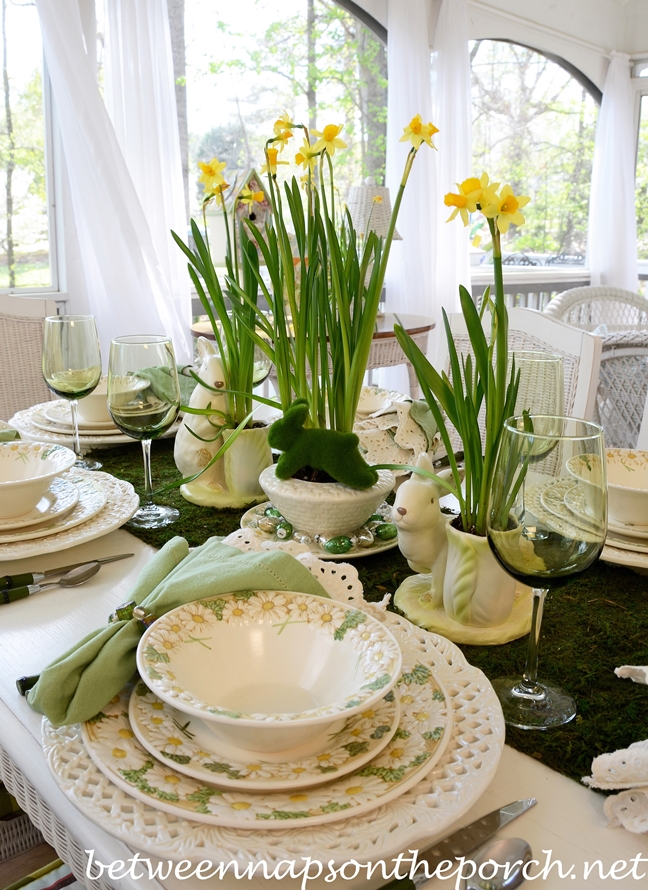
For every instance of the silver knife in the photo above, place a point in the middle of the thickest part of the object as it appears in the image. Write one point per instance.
(460, 843)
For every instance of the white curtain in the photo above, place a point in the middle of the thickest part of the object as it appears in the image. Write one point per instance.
(126, 286)
(451, 97)
(612, 231)
(409, 284)
(140, 98)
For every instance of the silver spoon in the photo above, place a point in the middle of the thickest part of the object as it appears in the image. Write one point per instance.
(511, 854)
(75, 576)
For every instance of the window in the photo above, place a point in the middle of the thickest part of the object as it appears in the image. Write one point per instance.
(257, 58)
(24, 226)
(533, 127)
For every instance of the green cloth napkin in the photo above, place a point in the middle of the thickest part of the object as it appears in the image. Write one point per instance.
(79, 683)
(164, 387)
(7, 434)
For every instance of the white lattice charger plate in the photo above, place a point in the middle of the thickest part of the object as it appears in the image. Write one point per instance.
(190, 745)
(423, 813)
(23, 421)
(120, 504)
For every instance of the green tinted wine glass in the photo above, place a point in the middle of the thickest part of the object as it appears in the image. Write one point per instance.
(547, 521)
(143, 400)
(72, 366)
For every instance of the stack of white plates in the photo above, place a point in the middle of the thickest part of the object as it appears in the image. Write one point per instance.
(152, 774)
(78, 506)
(52, 422)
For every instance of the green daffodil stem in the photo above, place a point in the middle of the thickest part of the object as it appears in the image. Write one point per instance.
(392, 222)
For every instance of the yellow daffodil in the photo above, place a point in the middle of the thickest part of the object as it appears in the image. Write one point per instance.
(249, 197)
(377, 199)
(306, 157)
(281, 139)
(272, 162)
(460, 204)
(506, 209)
(282, 124)
(328, 139)
(480, 191)
(417, 132)
(220, 193)
(211, 176)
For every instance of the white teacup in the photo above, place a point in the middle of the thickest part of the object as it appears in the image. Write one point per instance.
(93, 408)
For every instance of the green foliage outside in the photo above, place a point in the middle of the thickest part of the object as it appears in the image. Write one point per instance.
(318, 63)
(534, 127)
(642, 182)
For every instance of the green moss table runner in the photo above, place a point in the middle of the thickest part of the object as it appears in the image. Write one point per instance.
(595, 623)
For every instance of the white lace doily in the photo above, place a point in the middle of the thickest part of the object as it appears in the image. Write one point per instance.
(625, 768)
(339, 579)
(628, 809)
(419, 815)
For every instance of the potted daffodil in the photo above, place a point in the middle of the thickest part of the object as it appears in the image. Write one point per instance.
(323, 290)
(482, 383)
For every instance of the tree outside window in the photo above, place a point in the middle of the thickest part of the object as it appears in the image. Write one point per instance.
(534, 127)
(24, 230)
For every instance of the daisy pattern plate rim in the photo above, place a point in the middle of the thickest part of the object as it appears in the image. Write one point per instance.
(418, 744)
(350, 748)
(426, 812)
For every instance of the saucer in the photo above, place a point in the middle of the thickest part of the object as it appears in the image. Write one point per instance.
(59, 413)
(195, 750)
(565, 500)
(628, 531)
(66, 429)
(250, 520)
(92, 498)
(58, 500)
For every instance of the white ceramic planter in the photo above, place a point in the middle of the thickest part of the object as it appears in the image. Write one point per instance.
(325, 508)
(245, 460)
(476, 590)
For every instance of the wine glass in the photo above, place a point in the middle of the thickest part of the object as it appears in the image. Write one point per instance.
(546, 522)
(72, 366)
(143, 400)
(541, 390)
(542, 383)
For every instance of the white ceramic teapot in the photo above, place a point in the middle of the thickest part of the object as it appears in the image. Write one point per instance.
(190, 453)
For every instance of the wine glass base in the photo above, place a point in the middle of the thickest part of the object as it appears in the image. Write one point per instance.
(153, 516)
(554, 708)
(88, 463)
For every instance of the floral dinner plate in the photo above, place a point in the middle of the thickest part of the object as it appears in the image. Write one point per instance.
(191, 746)
(424, 730)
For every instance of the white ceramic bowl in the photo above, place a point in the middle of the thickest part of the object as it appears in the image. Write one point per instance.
(586, 469)
(94, 407)
(26, 471)
(628, 485)
(325, 508)
(270, 670)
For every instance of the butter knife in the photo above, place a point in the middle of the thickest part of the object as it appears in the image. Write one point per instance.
(459, 843)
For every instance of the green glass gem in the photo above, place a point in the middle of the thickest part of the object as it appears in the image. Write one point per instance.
(339, 544)
(376, 517)
(386, 531)
(284, 531)
(272, 511)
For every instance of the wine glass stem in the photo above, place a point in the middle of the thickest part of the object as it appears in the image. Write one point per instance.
(528, 687)
(148, 484)
(75, 427)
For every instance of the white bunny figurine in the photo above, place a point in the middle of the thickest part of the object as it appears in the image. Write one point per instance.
(421, 525)
(192, 454)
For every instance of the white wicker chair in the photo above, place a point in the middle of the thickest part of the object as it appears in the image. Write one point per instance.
(21, 346)
(533, 330)
(589, 307)
(623, 387)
